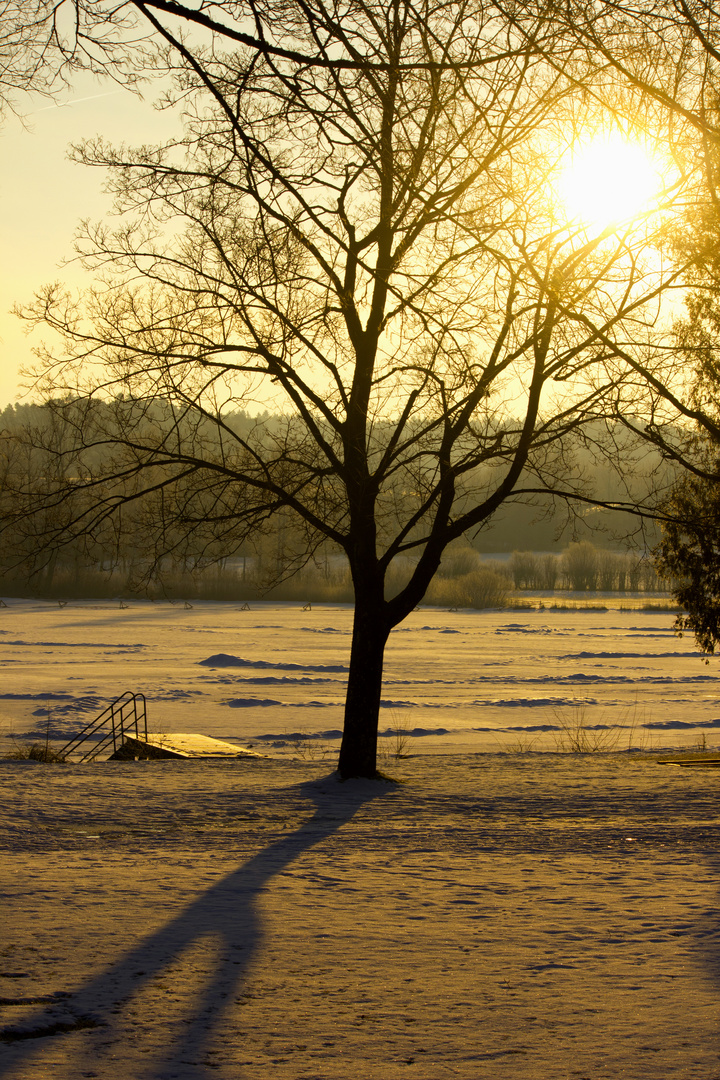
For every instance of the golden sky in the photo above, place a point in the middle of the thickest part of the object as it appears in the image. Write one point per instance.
(43, 196)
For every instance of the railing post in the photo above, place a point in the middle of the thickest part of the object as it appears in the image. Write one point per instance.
(121, 715)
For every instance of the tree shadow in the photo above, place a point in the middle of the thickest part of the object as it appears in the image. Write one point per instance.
(705, 931)
(227, 912)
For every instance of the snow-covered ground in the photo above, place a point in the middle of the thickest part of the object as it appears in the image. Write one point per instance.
(454, 681)
(530, 916)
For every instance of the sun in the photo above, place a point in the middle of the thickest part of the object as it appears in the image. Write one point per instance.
(607, 181)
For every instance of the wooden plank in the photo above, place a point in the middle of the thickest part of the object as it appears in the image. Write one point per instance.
(692, 763)
(181, 745)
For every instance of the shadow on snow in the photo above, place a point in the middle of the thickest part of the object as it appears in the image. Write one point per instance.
(226, 913)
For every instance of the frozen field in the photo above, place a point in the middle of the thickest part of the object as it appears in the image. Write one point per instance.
(521, 916)
(454, 681)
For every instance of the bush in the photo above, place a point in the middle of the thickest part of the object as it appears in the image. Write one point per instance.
(530, 571)
(458, 562)
(580, 566)
(524, 567)
(482, 588)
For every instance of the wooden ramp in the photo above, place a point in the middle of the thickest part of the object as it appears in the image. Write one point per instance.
(154, 746)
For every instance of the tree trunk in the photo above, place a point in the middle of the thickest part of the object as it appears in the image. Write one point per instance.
(358, 750)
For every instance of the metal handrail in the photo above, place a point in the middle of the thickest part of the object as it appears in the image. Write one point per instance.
(126, 714)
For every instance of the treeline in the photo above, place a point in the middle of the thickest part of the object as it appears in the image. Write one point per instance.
(465, 578)
(583, 567)
(170, 545)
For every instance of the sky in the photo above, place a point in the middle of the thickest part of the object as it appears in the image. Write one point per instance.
(43, 197)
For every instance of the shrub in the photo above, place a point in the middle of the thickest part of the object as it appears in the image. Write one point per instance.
(482, 588)
(458, 562)
(580, 566)
(524, 569)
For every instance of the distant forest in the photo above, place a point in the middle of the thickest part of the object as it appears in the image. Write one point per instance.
(44, 553)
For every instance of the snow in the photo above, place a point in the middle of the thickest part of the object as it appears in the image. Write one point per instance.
(535, 916)
(224, 660)
(472, 678)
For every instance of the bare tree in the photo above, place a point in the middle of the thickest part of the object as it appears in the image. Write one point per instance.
(44, 43)
(667, 53)
(580, 566)
(370, 245)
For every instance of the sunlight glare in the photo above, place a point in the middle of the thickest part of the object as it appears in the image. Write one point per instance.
(607, 181)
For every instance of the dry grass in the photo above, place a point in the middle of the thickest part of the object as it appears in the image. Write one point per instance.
(34, 752)
(576, 735)
(307, 748)
(519, 744)
(393, 745)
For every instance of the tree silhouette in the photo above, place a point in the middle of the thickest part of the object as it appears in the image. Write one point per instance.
(369, 245)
